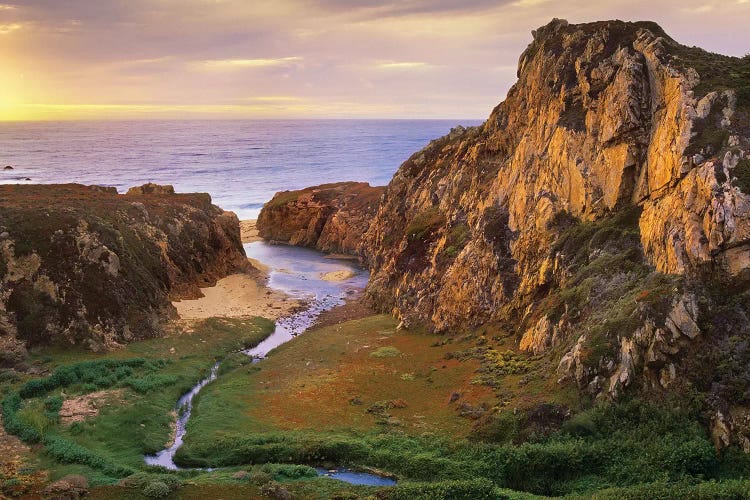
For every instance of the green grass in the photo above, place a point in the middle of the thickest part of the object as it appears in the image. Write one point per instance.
(625, 445)
(385, 352)
(153, 374)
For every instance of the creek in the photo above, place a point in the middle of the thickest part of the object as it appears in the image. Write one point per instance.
(298, 272)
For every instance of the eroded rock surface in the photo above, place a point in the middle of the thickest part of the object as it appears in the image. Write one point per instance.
(600, 214)
(330, 217)
(84, 265)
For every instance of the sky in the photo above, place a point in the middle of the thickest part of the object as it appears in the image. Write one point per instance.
(134, 59)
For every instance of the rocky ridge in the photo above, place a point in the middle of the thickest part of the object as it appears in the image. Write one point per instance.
(599, 216)
(85, 265)
(329, 217)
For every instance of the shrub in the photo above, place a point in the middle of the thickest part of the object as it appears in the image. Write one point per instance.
(52, 407)
(156, 489)
(275, 490)
(741, 174)
(385, 352)
(32, 418)
(280, 472)
(476, 489)
(259, 478)
(424, 223)
(68, 452)
(150, 382)
(99, 373)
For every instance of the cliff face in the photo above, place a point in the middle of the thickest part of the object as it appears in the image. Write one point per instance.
(84, 265)
(330, 217)
(594, 215)
(604, 116)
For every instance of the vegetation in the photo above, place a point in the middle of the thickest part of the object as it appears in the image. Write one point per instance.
(741, 174)
(152, 375)
(457, 238)
(422, 225)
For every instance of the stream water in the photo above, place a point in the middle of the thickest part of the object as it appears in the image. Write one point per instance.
(298, 272)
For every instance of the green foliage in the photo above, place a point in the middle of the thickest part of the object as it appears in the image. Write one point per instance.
(717, 72)
(476, 489)
(741, 173)
(31, 416)
(424, 223)
(52, 406)
(66, 451)
(620, 444)
(156, 489)
(707, 490)
(286, 472)
(101, 373)
(457, 238)
(141, 480)
(150, 382)
(13, 422)
(385, 352)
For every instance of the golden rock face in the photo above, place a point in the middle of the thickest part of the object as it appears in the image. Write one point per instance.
(603, 116)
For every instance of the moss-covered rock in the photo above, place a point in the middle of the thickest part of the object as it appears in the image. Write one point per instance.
(85, 265)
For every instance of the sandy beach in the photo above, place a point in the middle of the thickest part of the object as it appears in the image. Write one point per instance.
(249, 231)
(237, 295)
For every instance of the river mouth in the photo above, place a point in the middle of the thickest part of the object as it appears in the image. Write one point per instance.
(303, 274)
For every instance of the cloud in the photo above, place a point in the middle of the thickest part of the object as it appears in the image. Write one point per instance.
(700, 9)
(10, 28)
(529, 3)
(404, 65)
(377, 9)
(421, 58)
(230, 64)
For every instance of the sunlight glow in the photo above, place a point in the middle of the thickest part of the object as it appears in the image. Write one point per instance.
(221, 64)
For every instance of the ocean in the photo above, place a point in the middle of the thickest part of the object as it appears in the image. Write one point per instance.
(241, 163)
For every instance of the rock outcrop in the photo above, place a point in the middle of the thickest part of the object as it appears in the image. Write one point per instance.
(330, 217)
(604, 116)
(84, 265)
(600, 214)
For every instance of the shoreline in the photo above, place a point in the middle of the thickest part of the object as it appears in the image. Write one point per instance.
(249, 231)
(238, 296)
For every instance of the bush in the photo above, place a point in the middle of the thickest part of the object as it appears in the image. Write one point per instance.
(141, 480)
(281, 472)
(275, 490)
(99, 374)
(13, 424)
(259, 478)
(68, 452)
(156, 489)
(424, 223)
(150, 382)
(476, 489)
(52, 407)
(385, 352)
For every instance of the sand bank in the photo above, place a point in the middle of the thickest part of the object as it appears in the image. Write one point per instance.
(237, 295)
(249, 231)
(339, 275)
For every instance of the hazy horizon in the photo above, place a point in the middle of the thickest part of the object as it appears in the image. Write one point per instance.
(297, 59)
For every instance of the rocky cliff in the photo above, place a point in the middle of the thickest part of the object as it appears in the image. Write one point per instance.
(84, 265)
(600, 215)
(330, 217)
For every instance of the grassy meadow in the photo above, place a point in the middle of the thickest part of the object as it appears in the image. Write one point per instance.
(460, 417)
